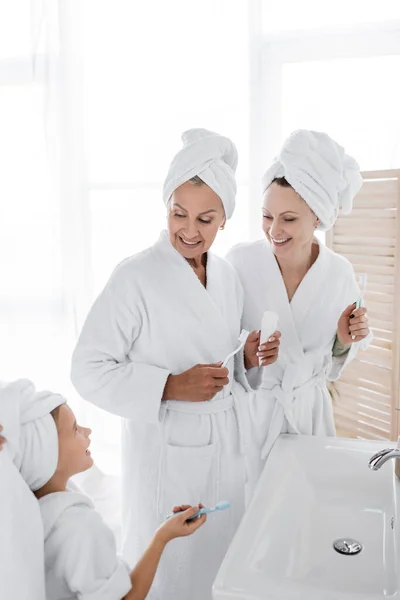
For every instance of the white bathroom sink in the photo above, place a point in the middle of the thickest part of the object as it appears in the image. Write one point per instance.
(313, 491)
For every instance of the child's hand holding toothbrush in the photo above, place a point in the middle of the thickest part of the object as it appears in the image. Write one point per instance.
(178, 525)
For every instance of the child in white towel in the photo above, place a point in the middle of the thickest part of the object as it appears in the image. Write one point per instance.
(81, 559)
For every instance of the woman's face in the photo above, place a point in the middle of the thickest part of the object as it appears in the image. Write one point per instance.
(288, 221)
(73, 444)
(195, 215)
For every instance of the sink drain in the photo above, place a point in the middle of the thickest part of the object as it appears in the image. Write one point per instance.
(347, 546)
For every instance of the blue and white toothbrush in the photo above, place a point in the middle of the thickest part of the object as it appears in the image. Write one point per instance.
(222, 505)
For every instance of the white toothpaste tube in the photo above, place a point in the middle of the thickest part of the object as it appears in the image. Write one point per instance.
(268, 327)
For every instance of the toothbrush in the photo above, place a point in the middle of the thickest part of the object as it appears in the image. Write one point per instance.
(362, 280)
(222, 505)
(242, 339)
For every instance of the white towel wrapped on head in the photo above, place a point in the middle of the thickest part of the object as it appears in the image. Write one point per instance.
(320, 171)
(210, 156)
(32, 435)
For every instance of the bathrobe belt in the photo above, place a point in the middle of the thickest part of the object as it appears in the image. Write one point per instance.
(211, 407)
(284, 394)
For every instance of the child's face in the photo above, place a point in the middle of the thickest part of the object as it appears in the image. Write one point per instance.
(73, 444)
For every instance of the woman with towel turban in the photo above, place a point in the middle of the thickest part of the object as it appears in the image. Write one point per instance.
(312, 289)
(152, 350)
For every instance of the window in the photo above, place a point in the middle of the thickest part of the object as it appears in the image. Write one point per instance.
(310, 15)
(351, 91)
(35, 338)
(137, 100)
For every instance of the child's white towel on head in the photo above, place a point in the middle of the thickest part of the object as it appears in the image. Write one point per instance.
(32, 434)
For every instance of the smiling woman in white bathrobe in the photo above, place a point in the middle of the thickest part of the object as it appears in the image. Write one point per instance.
(312, 289)
(151, 351)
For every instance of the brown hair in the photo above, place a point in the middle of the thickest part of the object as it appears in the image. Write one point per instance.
(55, 413)
(196, 180)
(282, 182)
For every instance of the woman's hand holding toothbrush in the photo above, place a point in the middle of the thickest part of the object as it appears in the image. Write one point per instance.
(353, 322)
(198, 384)
(352, 325)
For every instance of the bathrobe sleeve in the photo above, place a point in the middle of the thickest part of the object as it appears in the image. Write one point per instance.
(86, 558)
(351, 293)
(102, 372)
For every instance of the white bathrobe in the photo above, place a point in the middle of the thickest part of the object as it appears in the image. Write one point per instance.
(81, 559)
(292, 394)
(21, 531)
(155, 318)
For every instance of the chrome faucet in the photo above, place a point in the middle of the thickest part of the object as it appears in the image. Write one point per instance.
(379, 459)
